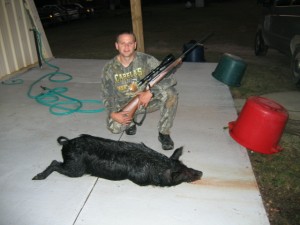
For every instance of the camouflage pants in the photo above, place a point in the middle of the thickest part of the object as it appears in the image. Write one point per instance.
(166, 101)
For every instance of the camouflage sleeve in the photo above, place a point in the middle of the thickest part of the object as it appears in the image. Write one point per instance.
(108, 91)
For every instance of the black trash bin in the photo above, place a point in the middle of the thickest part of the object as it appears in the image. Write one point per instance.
(196, 55)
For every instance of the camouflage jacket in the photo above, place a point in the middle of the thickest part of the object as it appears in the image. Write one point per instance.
(116, 80)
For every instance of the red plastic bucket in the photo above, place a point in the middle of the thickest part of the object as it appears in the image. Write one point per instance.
(260, 125)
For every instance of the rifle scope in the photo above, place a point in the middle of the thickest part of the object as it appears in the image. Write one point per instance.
(166, 62)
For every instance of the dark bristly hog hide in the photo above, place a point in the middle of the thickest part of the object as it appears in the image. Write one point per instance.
(119, 160)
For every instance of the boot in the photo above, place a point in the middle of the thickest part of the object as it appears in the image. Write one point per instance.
(166, 141)
(131, 130)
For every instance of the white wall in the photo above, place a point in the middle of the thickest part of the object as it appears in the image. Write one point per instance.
(17, 46)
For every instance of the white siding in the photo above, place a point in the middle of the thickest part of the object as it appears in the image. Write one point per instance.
(17, 46)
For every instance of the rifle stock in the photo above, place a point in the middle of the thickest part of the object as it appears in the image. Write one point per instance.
(134, 104)
(131, 106)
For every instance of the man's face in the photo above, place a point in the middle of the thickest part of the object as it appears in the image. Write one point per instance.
(126, 45)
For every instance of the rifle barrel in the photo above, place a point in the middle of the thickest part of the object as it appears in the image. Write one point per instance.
(168, 60)
(206, 37)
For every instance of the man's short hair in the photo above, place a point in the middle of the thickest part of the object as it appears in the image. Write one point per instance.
(125, 32)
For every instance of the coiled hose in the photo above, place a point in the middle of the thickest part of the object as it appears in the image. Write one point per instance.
(53, 97)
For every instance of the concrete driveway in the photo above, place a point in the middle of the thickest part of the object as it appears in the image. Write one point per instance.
(227, 194)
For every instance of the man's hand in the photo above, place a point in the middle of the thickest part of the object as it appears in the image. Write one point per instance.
(145, 98)
(121, 117)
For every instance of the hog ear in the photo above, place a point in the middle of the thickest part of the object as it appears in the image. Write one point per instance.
(177, 153)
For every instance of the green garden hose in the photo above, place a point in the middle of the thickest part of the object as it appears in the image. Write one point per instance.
(52, 97)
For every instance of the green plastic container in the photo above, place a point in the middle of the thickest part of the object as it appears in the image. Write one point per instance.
(230, 70)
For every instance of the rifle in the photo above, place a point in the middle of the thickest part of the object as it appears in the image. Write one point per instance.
(155, 76)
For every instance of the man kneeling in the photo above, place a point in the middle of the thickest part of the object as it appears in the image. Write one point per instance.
(125, 70)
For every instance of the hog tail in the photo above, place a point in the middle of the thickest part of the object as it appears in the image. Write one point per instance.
(62, 140)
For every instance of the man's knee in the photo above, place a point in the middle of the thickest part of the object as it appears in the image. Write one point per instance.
(114, 127)
(172, 97)
(114, 131)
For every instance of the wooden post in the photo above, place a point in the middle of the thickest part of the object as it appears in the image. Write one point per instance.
(137, 23)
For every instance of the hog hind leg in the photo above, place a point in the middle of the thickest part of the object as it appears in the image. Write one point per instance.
(69, 170)
(51, 168)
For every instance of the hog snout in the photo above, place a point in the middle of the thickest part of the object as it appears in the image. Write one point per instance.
(195, 175)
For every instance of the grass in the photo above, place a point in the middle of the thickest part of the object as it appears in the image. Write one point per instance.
(278, 177)
(166, 28)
